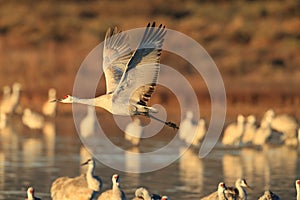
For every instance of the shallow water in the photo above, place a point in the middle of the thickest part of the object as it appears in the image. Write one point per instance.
(36, 158)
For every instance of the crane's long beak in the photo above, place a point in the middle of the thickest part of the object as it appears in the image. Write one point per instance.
(247, 186)
(55, 100)
(85, 163)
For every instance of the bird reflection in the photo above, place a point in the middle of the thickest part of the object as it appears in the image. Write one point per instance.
(32, 150)
(49, 131)
(2, 170)
(248, 162)
(191, 170)
(133, 162)
(258, 166)
(10, 143)
(232, 167)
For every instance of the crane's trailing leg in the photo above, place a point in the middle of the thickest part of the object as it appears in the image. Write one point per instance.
(170, 124)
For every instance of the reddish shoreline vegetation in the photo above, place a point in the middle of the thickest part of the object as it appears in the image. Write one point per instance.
(255, 45)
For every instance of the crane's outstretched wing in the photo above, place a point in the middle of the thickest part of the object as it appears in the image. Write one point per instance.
(140, 76)
(116, 55)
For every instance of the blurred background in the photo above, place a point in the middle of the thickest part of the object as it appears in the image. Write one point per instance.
(255, 45)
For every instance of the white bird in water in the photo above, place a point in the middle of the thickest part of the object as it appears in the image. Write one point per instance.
(287, 125)
(85, 186)
(217, 195)
(32, 119)
(130, 76)
(94, 182)
(265, 134)
(187, 128)
(269, 195)
(11, 102)
(143, 194)
(234, 132)
(49, 108)
(298, 189)
(240, 184)
(6, 92)
(250, 130)
(115, 193)
(30, 194)
(200, 132)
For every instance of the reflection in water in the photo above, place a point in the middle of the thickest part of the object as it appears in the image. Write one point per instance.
(10, 142)
(262, 167)
(32, 151)
(2, 170)
(133, 163)
(232, 168)
(248, 159)
(191, 171)
(49, 131)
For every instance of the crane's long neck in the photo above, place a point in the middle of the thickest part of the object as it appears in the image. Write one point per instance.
(298, 191)
(242, 192)
(90, 177)
(116, 190)
(103, 101)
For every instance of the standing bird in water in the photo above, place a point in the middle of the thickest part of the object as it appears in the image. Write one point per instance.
(10, 105)
(143, 194)
(130, 76)
(115, 193)
(30, 194)
(240, 184)
(269, 195)
(85, 186)
(219, 194)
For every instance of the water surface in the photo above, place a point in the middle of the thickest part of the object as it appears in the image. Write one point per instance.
(37, 158)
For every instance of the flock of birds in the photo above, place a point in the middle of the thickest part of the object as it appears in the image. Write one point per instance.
(89, 186)
(10, 105)
(239, 193)
(131, 78)
(273, 129)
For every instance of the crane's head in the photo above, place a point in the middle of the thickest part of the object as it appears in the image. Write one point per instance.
(115, 179)
(221, 186)
(65, 99)
(30, 192)
(164, 198)
(243, 183)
